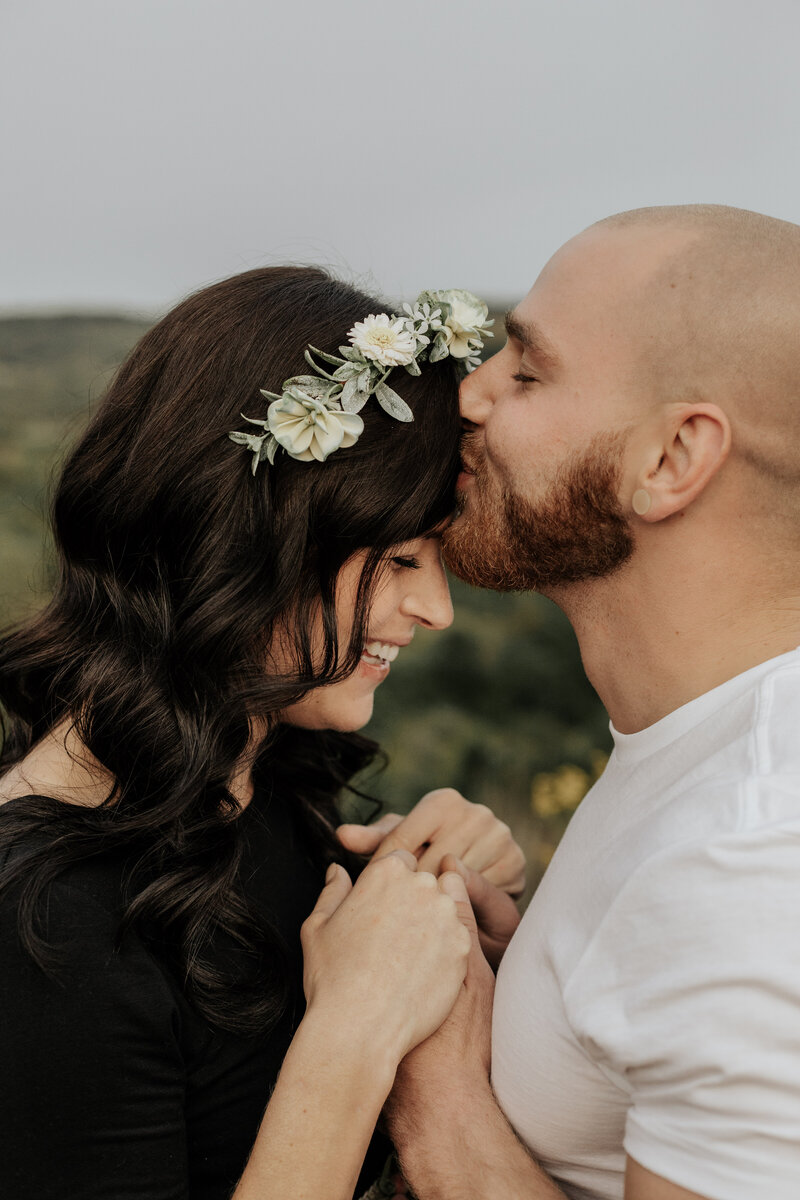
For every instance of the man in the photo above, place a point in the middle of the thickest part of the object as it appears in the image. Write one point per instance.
(634, 453)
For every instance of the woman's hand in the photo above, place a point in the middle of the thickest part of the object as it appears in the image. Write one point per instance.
(384, 959)
(443, 822)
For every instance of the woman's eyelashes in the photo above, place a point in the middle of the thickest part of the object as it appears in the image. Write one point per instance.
(409, 562)
(524, 379)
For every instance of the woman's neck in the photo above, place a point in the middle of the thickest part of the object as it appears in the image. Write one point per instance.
(62, 766)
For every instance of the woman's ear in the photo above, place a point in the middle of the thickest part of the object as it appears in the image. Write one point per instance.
(695, 441)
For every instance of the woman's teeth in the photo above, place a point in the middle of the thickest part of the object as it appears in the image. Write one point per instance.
(379, 653)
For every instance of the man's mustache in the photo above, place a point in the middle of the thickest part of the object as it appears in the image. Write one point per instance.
(471, 460)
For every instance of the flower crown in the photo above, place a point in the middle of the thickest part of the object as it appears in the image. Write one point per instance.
(317, 414)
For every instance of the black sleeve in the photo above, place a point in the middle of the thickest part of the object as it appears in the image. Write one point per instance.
(92, 1079)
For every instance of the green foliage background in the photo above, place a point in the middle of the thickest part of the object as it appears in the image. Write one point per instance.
(497, 706)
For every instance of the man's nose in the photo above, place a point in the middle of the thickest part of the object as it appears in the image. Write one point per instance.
(474, 398)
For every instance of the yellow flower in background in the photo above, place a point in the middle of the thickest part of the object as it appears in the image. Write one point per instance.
(561, 791)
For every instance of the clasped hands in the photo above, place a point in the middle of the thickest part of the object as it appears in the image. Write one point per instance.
(444, 833)
(400, 964)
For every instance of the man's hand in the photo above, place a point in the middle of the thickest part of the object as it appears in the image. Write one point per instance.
(443, 822)
(496, 914)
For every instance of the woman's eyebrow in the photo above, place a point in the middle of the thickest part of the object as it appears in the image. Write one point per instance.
(533, 339)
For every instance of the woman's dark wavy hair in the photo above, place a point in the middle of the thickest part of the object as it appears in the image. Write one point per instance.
(175, 569)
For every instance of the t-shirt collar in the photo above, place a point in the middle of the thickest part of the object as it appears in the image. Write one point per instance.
(633, 747)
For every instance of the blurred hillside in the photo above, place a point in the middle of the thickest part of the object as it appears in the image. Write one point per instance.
(497, 706)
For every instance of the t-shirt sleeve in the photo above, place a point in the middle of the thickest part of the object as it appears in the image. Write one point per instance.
(92, 1096)
(689, 997)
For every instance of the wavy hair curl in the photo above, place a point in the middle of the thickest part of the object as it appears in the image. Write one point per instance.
(175, 569)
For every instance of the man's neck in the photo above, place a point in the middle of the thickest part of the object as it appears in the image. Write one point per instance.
(652, 641)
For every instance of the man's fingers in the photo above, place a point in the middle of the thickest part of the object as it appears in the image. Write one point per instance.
(338, 885)
(495, 911)
(452, 884)
(365, 839)
(421, 825)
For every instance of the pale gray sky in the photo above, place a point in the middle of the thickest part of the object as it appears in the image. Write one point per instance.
(154, 145)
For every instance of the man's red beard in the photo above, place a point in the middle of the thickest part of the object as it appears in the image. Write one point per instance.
(577, 531)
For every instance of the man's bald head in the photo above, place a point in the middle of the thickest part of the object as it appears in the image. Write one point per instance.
(718, 319)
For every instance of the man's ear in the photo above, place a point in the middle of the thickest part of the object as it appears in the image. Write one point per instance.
(694, 443)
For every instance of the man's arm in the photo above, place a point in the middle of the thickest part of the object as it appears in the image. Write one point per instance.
(452, 1138)
(459, 1146)
(453, 1141)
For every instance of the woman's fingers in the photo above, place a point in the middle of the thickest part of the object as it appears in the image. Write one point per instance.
(390, 954)
(338, 886)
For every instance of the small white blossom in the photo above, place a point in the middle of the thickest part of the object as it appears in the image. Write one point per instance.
(465, 326)
(423, 319)
(384, 340)
(307, 429)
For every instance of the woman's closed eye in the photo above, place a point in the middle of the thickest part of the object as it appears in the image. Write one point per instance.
(524, 379)
(410, 563)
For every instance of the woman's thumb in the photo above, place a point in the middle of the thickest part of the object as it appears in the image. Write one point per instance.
(338, 885)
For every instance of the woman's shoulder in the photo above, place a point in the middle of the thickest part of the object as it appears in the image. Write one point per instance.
(80, 905)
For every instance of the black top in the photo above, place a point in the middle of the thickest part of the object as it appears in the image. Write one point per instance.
(112, 1085)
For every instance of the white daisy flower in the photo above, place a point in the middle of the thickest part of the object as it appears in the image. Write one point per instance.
(384, 340)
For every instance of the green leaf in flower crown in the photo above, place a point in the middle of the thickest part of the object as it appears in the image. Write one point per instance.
(269, 396)
(352, 400)
(328, 358)
(393, 404)
(351, 354)
(439, 348)
(365, 382)
(312, 385)
(429, 298)
(268, 451)
(413, 367)
(251, 440)
(346, 371)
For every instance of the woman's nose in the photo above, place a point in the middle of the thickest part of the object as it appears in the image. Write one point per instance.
(429, 604)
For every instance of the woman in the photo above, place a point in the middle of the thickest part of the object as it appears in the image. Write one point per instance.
(179, 722)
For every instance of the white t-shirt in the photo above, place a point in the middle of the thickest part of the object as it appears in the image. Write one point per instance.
(649, 1002)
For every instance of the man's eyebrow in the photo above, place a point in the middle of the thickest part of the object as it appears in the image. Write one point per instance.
(532, 339)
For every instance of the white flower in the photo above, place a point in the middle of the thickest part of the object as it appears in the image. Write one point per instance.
(420, 321)
(383, 340)
(465, 326)
(307, 429)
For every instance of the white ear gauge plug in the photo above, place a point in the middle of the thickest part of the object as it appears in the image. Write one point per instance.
(641, 502)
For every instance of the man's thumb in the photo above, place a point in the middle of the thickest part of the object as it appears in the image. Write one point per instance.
(452, 884)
